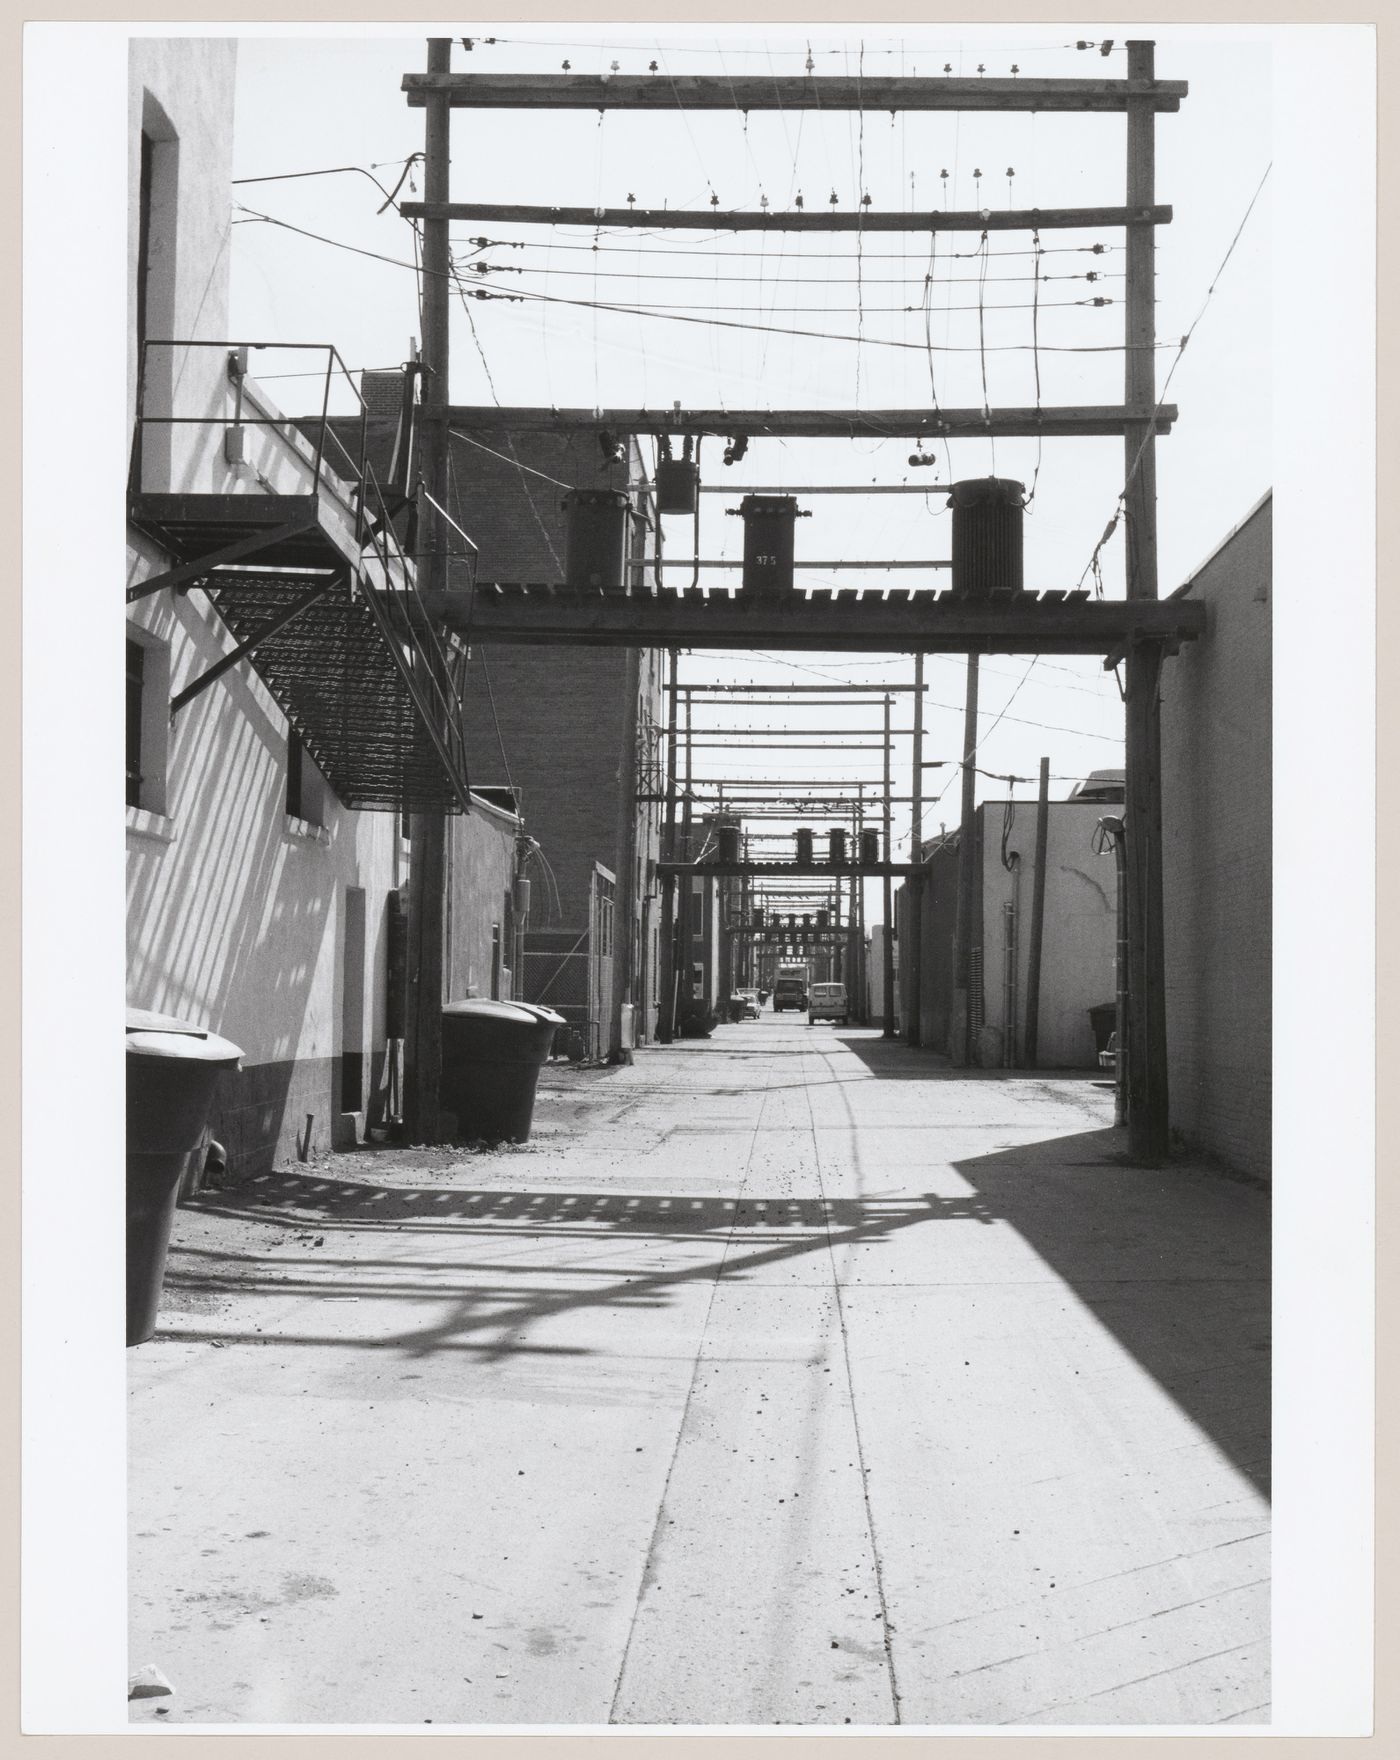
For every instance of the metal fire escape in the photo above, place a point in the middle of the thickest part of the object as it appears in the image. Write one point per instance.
(307, 568)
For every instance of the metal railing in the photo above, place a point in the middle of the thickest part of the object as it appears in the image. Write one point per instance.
(245, 395)
(384, 576)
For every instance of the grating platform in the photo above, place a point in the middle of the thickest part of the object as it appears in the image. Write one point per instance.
(335, 680)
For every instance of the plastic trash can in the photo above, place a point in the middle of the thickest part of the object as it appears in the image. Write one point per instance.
(491, 1058)
(172, 1069)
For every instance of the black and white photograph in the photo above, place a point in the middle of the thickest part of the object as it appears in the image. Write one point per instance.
(739, 856)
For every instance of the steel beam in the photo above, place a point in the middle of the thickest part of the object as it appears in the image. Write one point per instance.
(744, 92)
(264, 538)
(1052, 422)
(937, 626)
(790, 870)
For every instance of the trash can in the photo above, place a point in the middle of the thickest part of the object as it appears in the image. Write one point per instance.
(172, 1069)
(1103, 1019)
(491, 1058)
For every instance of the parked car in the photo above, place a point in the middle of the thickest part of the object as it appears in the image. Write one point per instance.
(828, 1003)
(745, 1006)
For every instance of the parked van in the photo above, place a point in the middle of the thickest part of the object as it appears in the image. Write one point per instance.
(828, 1003)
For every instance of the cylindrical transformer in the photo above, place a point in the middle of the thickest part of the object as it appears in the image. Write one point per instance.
(806, 922)
(522, 895)
(597, 539)
(729, 843)
(768, 528)
(677, 485)
(836, 846)
(804, 846)
(988, 529)
(757, 918)
(823, 919)
(869, 849)
(792, 920)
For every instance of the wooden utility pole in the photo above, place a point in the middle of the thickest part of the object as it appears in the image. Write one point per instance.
(1042, 835)
(960, 1020)
(1147, 1012)
(1148, 1118)
(914, 916)
(427, 870)
(888, 892)
(685, 902)
(665, 1023)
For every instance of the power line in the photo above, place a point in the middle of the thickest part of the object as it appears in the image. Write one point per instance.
(676, 317)
(1121, 506)
(702, 248)
(911, 280)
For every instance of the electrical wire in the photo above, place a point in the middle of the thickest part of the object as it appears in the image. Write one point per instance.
(1092, 565)
(701, 248)
(793, 280)
(667, 315)
(338, 244)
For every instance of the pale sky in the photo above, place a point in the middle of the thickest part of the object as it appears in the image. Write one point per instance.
(309, 104)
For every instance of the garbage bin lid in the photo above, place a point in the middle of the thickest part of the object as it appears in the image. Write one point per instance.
(483, 1008)
(165, 1035)
(542, 1013)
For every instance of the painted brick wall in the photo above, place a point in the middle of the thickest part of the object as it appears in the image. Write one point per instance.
(1217, 856)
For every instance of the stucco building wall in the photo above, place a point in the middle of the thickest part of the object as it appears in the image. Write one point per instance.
(1218, 856)
(269, 928)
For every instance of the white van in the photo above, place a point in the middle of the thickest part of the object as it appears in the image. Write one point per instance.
(827, 1002)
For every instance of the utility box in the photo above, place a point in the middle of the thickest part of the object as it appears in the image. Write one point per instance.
(768, 542)
(677, 485)
(595, 558)
(988, 533)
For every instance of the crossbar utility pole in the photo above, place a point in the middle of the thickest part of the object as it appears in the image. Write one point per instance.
(888, 892)
(1148, 1117)
(960, 1024)
(428, 861)
(914, 952)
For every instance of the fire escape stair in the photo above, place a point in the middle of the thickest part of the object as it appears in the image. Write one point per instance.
(361, 672)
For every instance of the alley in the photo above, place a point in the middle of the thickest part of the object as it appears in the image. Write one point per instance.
(783, 1377)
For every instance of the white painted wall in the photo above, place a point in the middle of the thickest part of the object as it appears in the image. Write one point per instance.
(1080, 926)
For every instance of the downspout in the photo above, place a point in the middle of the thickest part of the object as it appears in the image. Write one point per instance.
(1011, 917)
(1113, 827)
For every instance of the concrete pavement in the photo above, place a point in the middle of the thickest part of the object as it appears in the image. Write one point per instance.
(784, 1377)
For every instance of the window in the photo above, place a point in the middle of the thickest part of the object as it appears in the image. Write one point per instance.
(143, 236)
(305, 788)
(153, 296)
(295, 758)
(147, 720)
(135, 668)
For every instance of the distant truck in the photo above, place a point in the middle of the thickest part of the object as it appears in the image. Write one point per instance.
(790, 987)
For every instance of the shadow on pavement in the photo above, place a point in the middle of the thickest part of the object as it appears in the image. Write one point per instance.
(749, 1235)
(1173, 1261)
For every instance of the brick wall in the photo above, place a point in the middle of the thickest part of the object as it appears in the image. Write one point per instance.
(561, 720)
(1217, 856)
